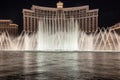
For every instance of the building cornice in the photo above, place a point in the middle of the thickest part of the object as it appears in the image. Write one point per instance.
(43, 8)
(6, 21)
(28, 10)
(14, 25)
(76, 8)
(64, 9)
(93, 10)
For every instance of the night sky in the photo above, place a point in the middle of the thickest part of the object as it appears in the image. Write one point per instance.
(109, 10)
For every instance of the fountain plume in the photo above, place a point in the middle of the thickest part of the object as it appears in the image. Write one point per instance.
(61, 37)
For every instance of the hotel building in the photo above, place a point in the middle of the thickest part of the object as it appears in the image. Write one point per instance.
(8, 26)
(115, 28)
(60, 18)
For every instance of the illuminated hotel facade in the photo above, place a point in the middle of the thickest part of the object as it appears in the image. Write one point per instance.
(8, 26)
(115, 28)
(87, 20)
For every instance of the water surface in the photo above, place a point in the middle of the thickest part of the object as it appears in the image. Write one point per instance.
(59, 66)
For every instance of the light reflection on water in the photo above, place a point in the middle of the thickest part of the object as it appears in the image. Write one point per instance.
(59, 66)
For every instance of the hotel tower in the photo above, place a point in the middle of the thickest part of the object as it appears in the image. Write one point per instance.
(60, 18)
(8, 26)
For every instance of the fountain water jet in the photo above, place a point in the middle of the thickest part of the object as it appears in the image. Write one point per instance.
(62, 37)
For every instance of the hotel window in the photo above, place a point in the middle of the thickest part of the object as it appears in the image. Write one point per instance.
(84, 24)
(88, 24)
(81, 24)
(29, 24)
(33, 24)
(91, 23)
(91, 14)
(95, 25)
(25, 23)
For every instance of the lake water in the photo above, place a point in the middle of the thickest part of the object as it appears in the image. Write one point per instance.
(59, 66)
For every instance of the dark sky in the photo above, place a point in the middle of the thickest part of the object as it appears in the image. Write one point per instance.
(109, 10)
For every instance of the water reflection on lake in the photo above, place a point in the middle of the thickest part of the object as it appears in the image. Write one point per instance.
(59, 66)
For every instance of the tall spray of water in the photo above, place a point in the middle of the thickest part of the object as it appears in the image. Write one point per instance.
(61, 35)
(56, 37)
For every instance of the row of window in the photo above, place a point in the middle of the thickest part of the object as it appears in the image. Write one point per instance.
(30, 24)
(86, 24)
(54, 12)
(62, 15)
(12, 31)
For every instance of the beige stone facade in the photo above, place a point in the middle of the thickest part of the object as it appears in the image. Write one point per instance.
(87, 19)
(8, 26)
(115, 28)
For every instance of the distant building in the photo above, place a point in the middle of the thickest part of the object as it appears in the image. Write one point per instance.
(8, 26)
(60, 18)
(115, 28)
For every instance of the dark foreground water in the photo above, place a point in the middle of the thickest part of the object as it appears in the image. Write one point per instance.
(59, 66)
